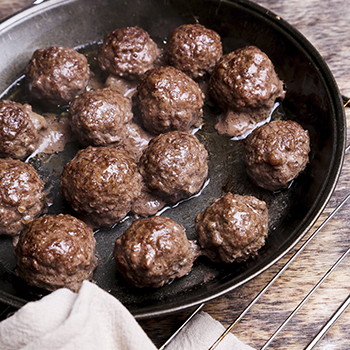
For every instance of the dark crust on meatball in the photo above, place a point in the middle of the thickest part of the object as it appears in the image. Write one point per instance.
(169, 100)
(19, 129)
(99, 117)
(154, 251)
(193, 49)
(57, 74)
(245, 78)
(22, 196)
(56, 251)
(276, 153)
(245, 85)
(100, 184)
(127, 52)
(174, 165)
(233, 228)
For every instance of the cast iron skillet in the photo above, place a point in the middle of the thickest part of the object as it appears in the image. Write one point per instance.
(312, 99)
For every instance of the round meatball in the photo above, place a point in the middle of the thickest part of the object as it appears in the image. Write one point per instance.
(99, 117)
(100, 183)
(22, 195)
(154, 251)
(244, 84)
(19, 129)
(56, 251)
(233, 228)
(193, 49)
(174, 165)
(276, 153)
(127, 52)
(169, 100)
(57, 74)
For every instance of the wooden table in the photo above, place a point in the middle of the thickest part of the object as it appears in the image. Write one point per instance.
(327, 26)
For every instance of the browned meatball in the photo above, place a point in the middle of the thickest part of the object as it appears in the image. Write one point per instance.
(233, 228)
(56, 251)
(245, 85)
(169, 100)
(127, 52)
(19, 129)
(174, 165)
(276, 153)
(57, 74)
(100, 183)
(99, 117)
(194, 49)
(154, 251)
(22, 195)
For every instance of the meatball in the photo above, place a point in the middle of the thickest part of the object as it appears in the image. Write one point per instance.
(99, 117)
(56, 251)
(127, 52)
(154, 251)
(232, 228)
(57, 74)
(19, 129)
(245, 85)
(100, 183)
(193, 49)
(169, 100)
(174, 165)
(22, 195)
(276, 153)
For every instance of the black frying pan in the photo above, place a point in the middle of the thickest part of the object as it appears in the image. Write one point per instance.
(312, 99)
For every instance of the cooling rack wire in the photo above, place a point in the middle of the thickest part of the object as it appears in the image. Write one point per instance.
(327, 325)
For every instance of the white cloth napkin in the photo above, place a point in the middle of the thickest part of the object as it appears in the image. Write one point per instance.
(94, 319)
(202, 332)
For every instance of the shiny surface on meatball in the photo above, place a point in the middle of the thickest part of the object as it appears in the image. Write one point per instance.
(22, 196)
(154, 251)
(174, 165)
(276, 153)
(193, 49)
(233, 228)
(127, 52)
(56, 251)
(99, 117)
(19, 129)
(245, 78)
(169, 100)
(57, 74)
(245, 86)
(100, 184)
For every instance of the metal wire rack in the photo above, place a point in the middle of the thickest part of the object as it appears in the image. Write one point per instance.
(327, 325)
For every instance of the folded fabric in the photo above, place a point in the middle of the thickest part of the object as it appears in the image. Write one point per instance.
(201, 333)
(94, 319)
(91, 319)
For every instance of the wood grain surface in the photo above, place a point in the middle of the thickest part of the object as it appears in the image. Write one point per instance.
(326, 24)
